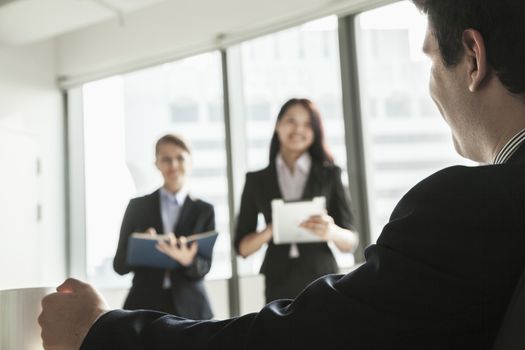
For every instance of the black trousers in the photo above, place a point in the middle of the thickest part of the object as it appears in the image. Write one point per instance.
(291, 285)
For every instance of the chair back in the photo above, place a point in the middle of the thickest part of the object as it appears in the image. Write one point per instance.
(19, 310)
(511, 335)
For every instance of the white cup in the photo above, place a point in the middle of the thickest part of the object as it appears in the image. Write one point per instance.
(19, 310)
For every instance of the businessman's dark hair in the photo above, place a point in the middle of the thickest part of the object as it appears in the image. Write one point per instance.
(500, 22)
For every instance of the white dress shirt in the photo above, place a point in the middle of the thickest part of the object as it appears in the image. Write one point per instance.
(170, 206)
(292, 184)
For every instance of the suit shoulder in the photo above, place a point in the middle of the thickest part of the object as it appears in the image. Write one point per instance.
(202, 205)
(461, 197)
(144, 199)
(457, 181)
(258, 175)
(461, 173)
(328, 171)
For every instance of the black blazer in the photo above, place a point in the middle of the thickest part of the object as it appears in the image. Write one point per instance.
(286, 277)
(440, 277)
(188, 296)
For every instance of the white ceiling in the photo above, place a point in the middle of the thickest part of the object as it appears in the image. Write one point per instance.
(92, 39)
(28, 21)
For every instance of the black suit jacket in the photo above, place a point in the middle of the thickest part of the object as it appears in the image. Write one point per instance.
(440, 277)
(187, 294)
(286, 277)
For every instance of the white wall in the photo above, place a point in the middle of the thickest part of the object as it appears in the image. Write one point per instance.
(31, 123)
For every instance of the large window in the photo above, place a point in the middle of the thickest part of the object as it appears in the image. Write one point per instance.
(123, 118)
(405, 137)
(299, 62)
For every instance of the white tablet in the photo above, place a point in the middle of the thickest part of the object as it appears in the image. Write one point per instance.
(286, 217)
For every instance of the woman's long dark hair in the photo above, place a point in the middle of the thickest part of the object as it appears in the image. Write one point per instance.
(318, 150)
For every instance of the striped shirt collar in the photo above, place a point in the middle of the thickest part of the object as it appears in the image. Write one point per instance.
(510, 147)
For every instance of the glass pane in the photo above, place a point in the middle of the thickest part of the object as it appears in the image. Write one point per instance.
(405, 137)
(124, 116)
(299, 62)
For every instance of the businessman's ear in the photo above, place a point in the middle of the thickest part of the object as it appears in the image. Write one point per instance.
(476, 56)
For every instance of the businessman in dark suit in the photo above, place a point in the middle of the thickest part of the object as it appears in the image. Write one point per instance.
(445, 266)
(169, 210)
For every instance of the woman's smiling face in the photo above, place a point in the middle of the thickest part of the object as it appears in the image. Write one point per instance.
(295, 129)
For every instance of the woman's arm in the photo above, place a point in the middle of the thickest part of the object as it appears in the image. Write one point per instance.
(253, 241)
(337, 224)
(128, 226)
(247, 239)
(344, 239)
(323, 226)
(342, 232)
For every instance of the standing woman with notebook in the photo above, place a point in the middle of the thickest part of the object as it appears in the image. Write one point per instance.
(170, 209)
(301, 168)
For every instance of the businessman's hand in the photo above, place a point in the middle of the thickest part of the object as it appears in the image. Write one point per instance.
(68, 315)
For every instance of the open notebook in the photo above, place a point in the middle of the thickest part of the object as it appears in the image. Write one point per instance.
(143, 253)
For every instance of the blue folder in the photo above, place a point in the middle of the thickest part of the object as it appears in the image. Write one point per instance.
(143, 253)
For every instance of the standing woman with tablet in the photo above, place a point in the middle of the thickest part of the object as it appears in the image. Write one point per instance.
(301, 167)
(172, 211)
